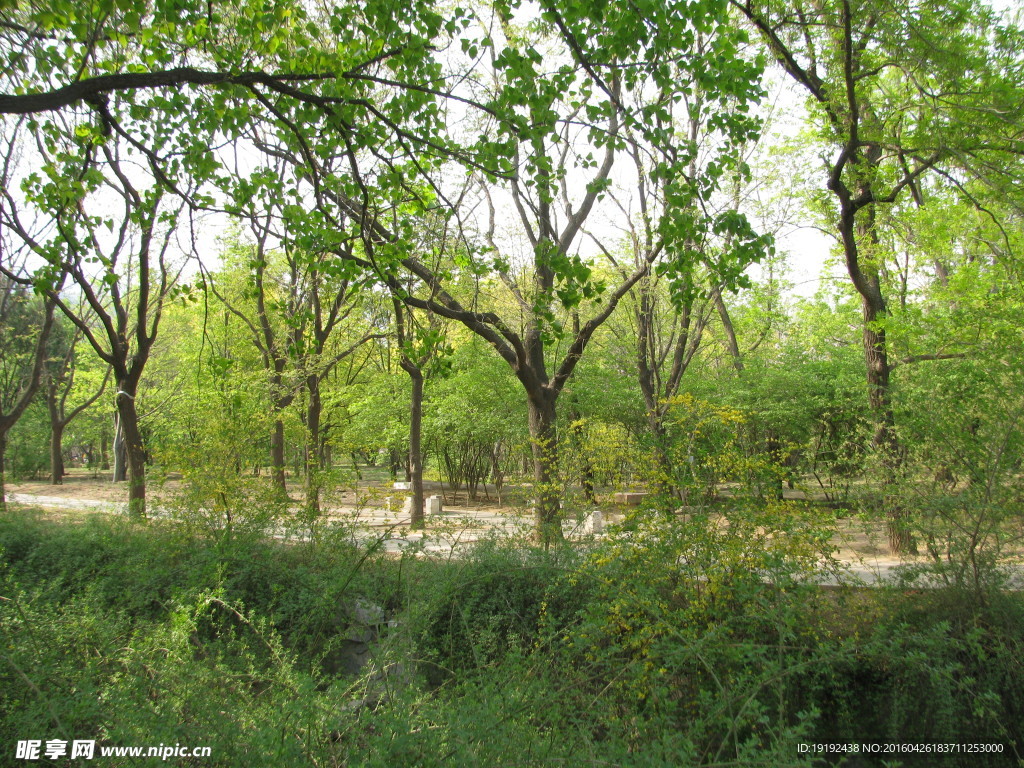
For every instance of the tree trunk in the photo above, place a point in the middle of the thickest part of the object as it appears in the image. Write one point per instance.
(868, 284)
(129, 427)
(3, 468)
(885, 440)
(277, 459)
(120, 456)
(876, 357)
(104, 454)
(544, 445)
(730, 331)
(415, 449)
(56, 453)
(56, 434)
(662, 482)
(314, 454)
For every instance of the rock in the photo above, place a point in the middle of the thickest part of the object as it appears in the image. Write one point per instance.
(350, 657)
(367, 613)
(363, 621)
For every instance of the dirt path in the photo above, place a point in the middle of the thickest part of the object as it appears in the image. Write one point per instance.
(861, 548)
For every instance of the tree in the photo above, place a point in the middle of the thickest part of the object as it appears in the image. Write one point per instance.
(615, 76)
(667, 341)
(26, 324)
(120, 264)
(60, 384)
(294, 306)
(898, 90)
(356, 99)
(170, 80)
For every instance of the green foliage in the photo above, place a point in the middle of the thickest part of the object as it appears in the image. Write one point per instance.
(679, 641)
(21, 316)
(474, 421)
(478, 612)
(685, 642)
(28, 444)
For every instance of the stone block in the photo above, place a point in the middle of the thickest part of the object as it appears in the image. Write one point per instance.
(630, 499)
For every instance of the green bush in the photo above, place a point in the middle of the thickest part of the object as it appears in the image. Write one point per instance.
(696, 642)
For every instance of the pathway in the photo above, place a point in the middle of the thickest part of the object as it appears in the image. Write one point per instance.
(461, 527)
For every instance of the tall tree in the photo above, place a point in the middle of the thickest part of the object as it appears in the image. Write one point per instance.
(615, 78)
(121, 263)
(60, 375)
(295, 306)
(25, 324)
(898, 90)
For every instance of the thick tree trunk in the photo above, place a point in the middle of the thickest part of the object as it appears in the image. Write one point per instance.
(415, 447)
(876, 356)
(128, 419)
(56, 434)
(544, 445)
(56, 453)
(885, 440)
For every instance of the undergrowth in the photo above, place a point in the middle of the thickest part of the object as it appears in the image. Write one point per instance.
(672, 644)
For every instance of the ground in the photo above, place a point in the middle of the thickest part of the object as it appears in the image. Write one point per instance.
(862, 545)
